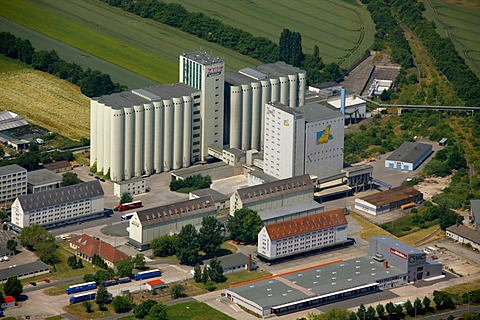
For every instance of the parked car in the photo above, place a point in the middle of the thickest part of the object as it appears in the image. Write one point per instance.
(33, 283)
(90, 174)
(47, 280)
(65, 236)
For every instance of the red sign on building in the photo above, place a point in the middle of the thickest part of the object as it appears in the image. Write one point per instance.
(398, 253)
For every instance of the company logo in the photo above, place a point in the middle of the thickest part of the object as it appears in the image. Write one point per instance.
(135, 223)
(324, 136)
(416, 259)
(214, 71)
(285, 123)
(398, 253)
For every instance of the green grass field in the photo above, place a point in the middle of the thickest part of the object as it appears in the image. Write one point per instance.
(460, 21)
(140, 45)
(9, 65)
(337, 27)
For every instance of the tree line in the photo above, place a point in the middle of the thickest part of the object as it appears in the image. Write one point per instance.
(92, 83)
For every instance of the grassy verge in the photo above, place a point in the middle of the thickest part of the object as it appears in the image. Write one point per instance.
(464, 287)
(405, 225)
(235, 278)
(79, 311)
(10, 65)
(369, 229)
(415, 237)
(54, 318)
(62, 270)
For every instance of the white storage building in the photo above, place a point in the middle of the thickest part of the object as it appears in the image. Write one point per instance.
(408, 156)
(133, 186)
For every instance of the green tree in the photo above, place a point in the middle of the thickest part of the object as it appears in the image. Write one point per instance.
(205, 273)
(102, 296)
(361, 311)
(370, 314)
(210, 285)
(210, 235)
(122, 304)
(216, 271)
(88, 306)
(409, 308)
(426, 303)
(163, 246)
(187, 245)
(139, 261)
(46, 251)
(158, 312)
(443, 300)
(244, 226)
(142, 310)
(80, 264)
(70, 178)
(417, 305)
(13, 287)
(124, 268)
(197, 273)
(12, 245)
(177, 291)
(391, 309)
(126, 198)
(380, 310)
(33, 235)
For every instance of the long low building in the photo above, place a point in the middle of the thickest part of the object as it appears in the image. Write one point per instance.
(465, 235)
(148, 224)
(408, 156)
(57, 207)
(388, 200)
(287, 238)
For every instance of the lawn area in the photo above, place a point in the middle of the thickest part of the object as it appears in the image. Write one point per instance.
(63, 271)
(79, 310)
(415, 237)
(338, 28)
(9, 65)
(406, 225)
(464, 287)
(369, 229)
(235, 278)
(140, 45)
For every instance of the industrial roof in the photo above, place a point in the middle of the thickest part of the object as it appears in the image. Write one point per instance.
(311, 223)
(475, 207)
(12, 168)
(141, 96)
(10, 120)
(175, 211)
(410, 152)
(271, 213)
(133, 180)
(217, 196)
(90, 247)
(389, 196)
(202, 57)
(265, 71)
(262, 175)
(393, 243)
(19, 270)
(41, 177)
(318, 111)
(155, 282)
(316, 281)
(465, 232)
(57, 165)
(60, 196)
(275, 189)
(231, 260)
(349, 102)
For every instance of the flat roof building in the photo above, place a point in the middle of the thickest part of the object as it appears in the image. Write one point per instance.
(408, 156)
(385, 201)
(463, 234)
(222, 201)
(235, 262)
(148, 224)
(13, 182)
(132, 186)
(42, 180)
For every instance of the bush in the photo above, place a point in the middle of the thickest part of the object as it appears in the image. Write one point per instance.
(210, 285)
(122, 304)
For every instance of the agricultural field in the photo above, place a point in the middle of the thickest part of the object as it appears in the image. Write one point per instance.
(460, 21)
(343, 30)
(43, 99)
(142, 46)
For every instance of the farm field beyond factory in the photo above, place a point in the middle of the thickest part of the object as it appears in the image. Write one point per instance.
(140, 45)
(44, 100)
(458, 20)
(337, 27)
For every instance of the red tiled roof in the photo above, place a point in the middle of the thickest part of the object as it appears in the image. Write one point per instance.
(303, 225)
(90, 246)
(155, 282)
(8, 299)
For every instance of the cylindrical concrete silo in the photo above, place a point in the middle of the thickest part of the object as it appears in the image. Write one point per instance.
(178, 133)
(266, 94)
(139, 136)
(302, 84)
(100, 136)
(158, 137)
(293, 88)
(168, 135)
(94, 107)
(235, 117)
(106, 141)
(246, 116)
(284, 88)
(187, 130)
(149, 117)
(256, 115)
(275, 90)
(117, 143)
(129, 142)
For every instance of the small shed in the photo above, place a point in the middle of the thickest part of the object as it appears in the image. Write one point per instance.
(155, 284)
(8, 301)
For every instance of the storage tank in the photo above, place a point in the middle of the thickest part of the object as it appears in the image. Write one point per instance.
(256, 115)
(117, 143)
(129, 142)
(100, 136)
(139, 139)
(266, 95)
(158, 136)
(275, 90)
(149, 117)
(94, 107)
(293, 90)
(178, 133)
(284, 88)
(246, 116)
(168, 135)
(235, 116)
(107, 133)
(187, 130)
(302, 84)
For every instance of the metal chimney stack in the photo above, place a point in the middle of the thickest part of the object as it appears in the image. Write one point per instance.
(343, 96)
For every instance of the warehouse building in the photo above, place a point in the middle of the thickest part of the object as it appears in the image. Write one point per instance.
(42, 180)
(300, 235)
(148, 224)
(412, 261)
(303, 140)
(133, 187)
(386, 201)
(465, 235)
(289, 212)
(408, 156)
(57, 207)
(246, 93)
(13, 182)
(475, 213)
(235, 262)
(87, 247)
(222, 201)
(273, 194)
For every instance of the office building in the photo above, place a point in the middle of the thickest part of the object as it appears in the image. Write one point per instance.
(133, 187)
(13, 182)
(42, 180)
(206, 74)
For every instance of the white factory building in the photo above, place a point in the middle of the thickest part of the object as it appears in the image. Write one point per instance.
(246, 93)
(303, 140)
(144, 131)
(287, 238)
(60, 206)
(408, 156)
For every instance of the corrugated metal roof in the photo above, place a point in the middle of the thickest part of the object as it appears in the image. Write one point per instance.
(176, 211)
(465, 232)
(314, 222)
(275, 189)
(231, 260)
(389, 196)
(475, 207)
(60, 196)
(410, 152)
